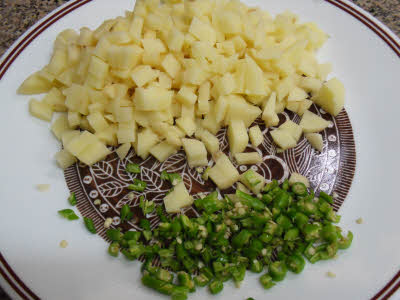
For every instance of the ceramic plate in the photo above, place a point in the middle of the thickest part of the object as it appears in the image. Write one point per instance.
(359, 162)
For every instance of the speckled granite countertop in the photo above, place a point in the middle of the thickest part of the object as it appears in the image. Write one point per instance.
(16, 16)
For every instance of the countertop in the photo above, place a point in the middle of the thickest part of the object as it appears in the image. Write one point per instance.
(16, 16)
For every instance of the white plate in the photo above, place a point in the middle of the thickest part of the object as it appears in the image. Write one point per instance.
(33, 265)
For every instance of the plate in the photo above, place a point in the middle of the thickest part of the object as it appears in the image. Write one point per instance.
(33, 266)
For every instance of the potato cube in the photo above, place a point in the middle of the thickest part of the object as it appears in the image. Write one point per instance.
(85, 125)
(210, 141)
(310, 84)
(175, 40)
(146, 140)
(224, 85)
(311, 122)
(296, 177)
(124, 57)
(253, 181)
(324, 70)
(123, 150)
(98, 69)
(74, 119)
(178, 198)
(196, 153)
(255, 82)
(40, 110)
(237, 136)
(187, 124)
(34, 84)
(195, 75)
(163, 150)
(299, 107)
(297, 94)
(164, 81)
(123, 114)
(126, 132)
(283, 139)
(201, 49)
(94, 153)
(186, 96)
(331, 96)
(239, 108)
(292, 128)
(56, 100)
(229, 22)
(85, 37)
(315, 139)
(248, 158)
(223, 173)
(204, 96)
(269, 115)
(65, 159)
(59, 126)
(79, 143)
(256, 136)
(221, 107)
(136, 28)
(171, 65)
(209, 122)
(109, 135)
(68, 135)
(77, 99)
(97, 121)
(152, 99)
(203, 31)
(58, 62)
(142, 75)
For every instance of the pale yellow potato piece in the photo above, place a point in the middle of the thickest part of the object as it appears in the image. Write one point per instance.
(123, 150)
(177, 199)
(153, 99)
(269, 115)
(94, 153)
(196, 152)
(164, 81)
(296, 177)
(109, 135)
(256, 136)
(77, 99)
(224, 85)
(331, 96)
(311, 122)
(175, 40)
(59, 126)
(237, 136)
(124, 57)
(283, 139)
(143, 74)
(97, 73)
(40, 110)
(97, 121)
(58, 62)
(187, 124)
(64, 159)
(186, 96)
(310, 84)
(68, 135)
(223, 173)
(171, 65)
(146, 140)
(203, 31)
(294, 129)
(78, 144)
(203, 105)
(163, 150)
(127, 132)
(74, 119)
(297, 94)
(240, 109)
(210, 141)
(315, 139)
(56, 100)
(248, 158)
(221, 108)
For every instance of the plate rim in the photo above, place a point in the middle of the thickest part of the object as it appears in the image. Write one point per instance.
(13, 284)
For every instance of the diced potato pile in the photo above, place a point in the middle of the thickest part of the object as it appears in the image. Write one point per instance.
(172, 74)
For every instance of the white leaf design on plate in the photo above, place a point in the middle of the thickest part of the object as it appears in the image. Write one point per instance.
(174, 163)
(102, 169)
(195, 175)
(188, 182)
(111, 188)
(127, 200)
(159, 198)
(122, 174)
(152, 178)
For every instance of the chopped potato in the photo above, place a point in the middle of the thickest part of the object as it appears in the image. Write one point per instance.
(196, 153)
(294, 129)
(223, 173)
(315, 139)
(65, 159)
(178, 198)
(170, 69)
(248, 158)
(123, 150)
(296, 177)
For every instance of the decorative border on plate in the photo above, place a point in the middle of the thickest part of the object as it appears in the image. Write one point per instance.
(6, 271)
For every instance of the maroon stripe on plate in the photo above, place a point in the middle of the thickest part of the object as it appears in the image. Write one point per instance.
(29, 38)
(390, 288)
(371, 24)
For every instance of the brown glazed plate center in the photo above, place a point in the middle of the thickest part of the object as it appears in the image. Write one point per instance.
(331, 171)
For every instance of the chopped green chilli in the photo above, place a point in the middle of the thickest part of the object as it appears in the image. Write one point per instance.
(133, 168)
(270, 234)
(173, 178)
(138, 185)
(89, 225)
(72, 199)
(126, 213)
(68, 214)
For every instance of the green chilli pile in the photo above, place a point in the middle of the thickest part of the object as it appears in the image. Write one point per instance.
(270, 234)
